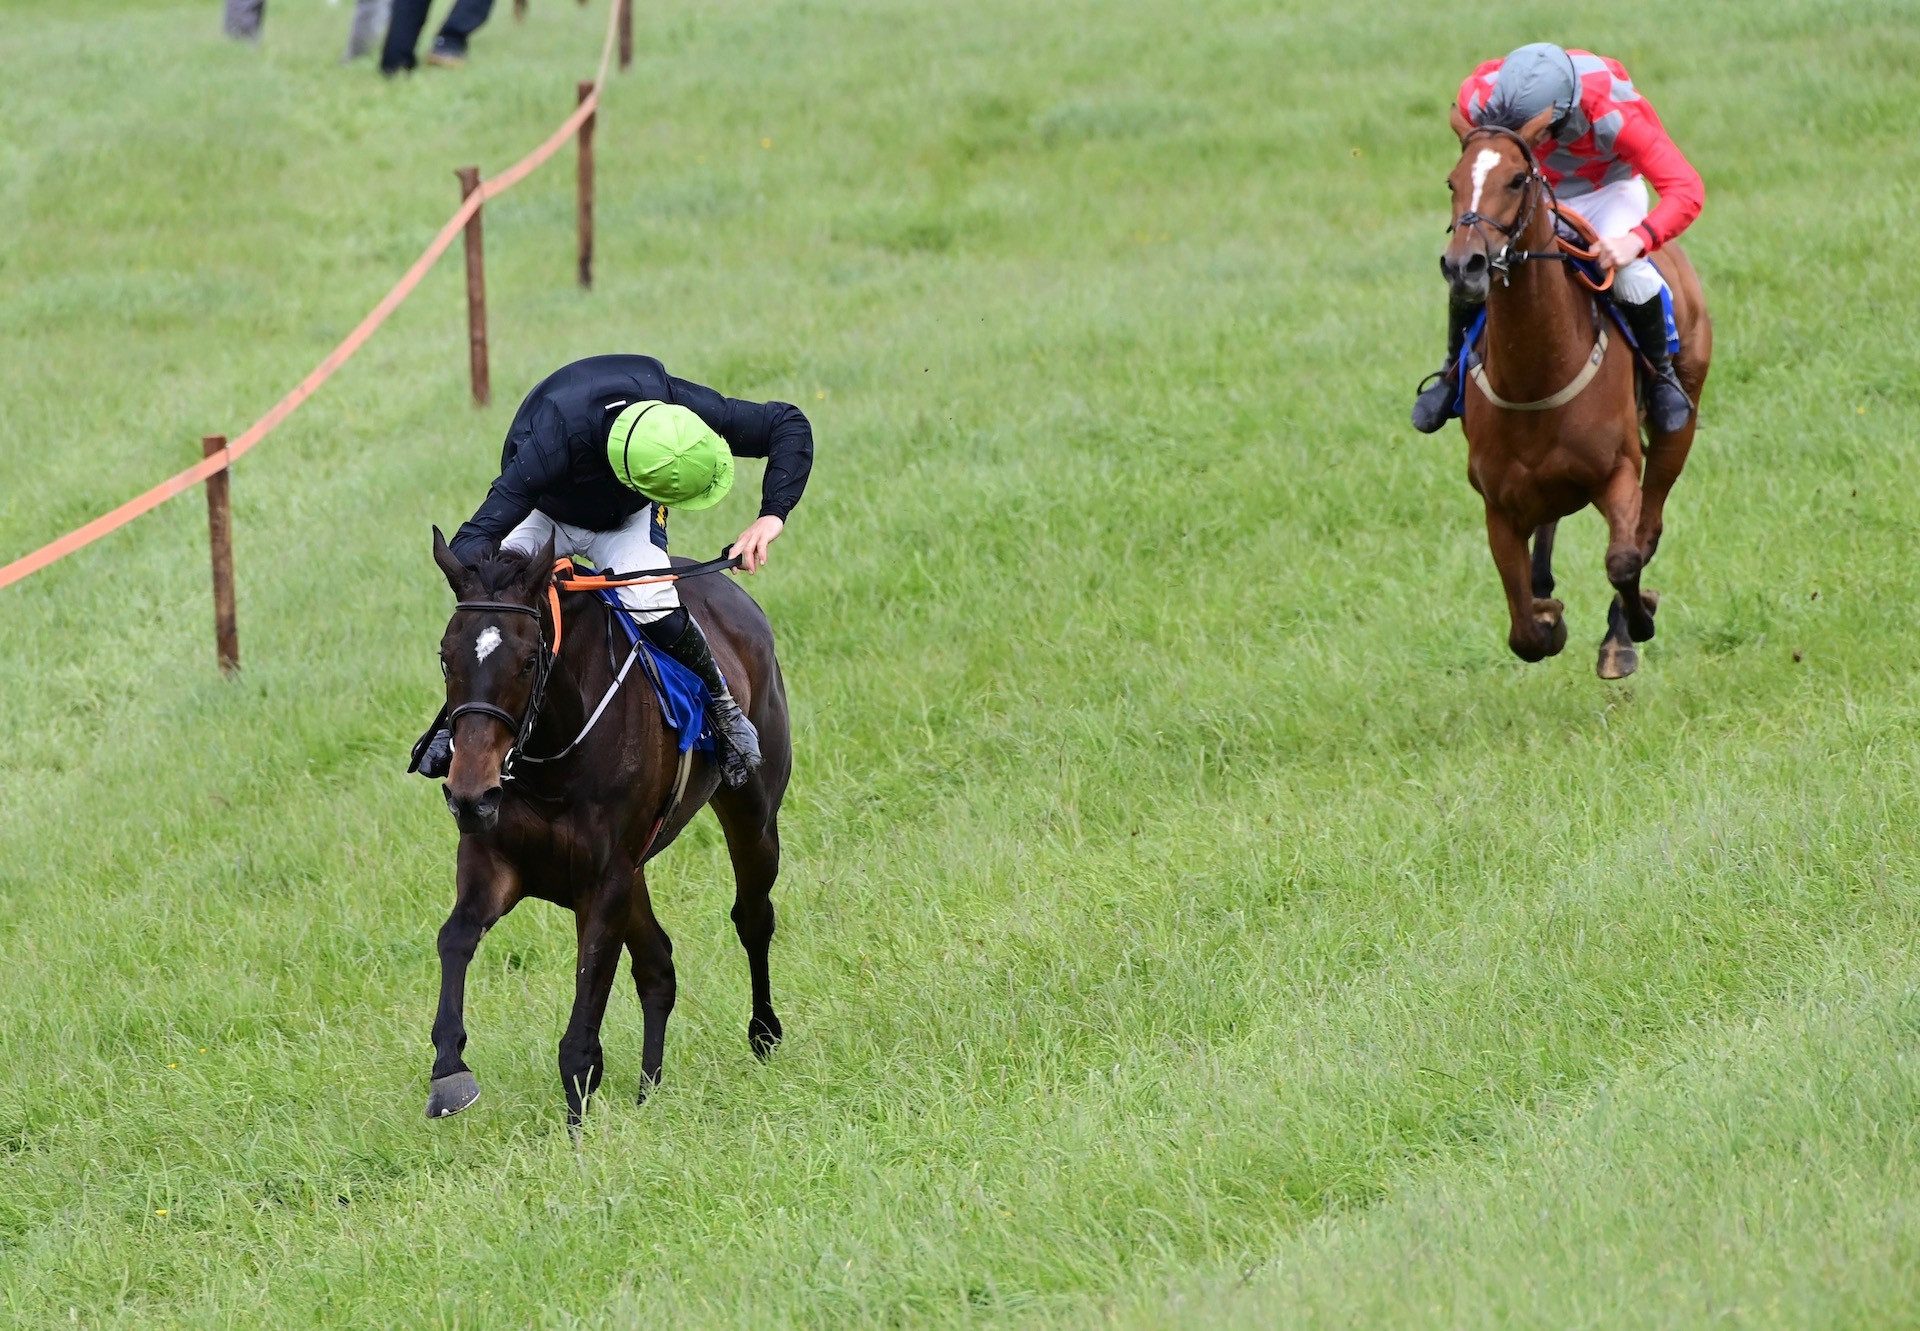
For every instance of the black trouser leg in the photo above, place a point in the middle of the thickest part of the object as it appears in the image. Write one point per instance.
(403, 35)
(466, 17)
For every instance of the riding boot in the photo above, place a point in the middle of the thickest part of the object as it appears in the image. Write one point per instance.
(1667, 406)
(433, 751)
(1433, 408)
(680, 637)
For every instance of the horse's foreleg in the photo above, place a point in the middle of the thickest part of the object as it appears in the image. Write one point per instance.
(1543, 557)
(600, 926)
(487, 886)
(1537, 624)
(753, 843)
(652, 953)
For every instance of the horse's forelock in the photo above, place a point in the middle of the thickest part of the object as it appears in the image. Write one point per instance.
(497, 573)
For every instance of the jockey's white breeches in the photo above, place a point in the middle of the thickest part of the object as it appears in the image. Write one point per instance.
(627, 549)
(1614, 210)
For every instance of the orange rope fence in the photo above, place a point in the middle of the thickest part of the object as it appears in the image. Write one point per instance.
(223, 458)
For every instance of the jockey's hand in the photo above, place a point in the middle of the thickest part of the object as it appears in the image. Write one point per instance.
(1619, 251)
(751, 548)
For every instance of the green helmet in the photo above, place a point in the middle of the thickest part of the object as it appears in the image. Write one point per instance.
(669, 455)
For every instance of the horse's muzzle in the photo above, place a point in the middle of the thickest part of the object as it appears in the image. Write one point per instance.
(480, 814)
(1468, 276)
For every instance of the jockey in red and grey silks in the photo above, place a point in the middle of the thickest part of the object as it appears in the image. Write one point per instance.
(1602, 151)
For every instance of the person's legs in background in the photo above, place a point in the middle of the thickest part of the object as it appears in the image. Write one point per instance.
(403, 35)
(243, 19)
(450, 47)
(369, 26)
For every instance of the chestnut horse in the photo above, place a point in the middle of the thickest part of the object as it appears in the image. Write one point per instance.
(1551, 417)
(566, 781)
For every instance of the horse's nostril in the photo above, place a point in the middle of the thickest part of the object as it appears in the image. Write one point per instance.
(1476, 264)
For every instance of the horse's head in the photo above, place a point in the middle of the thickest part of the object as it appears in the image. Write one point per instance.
(495, 657)
(1496, 188)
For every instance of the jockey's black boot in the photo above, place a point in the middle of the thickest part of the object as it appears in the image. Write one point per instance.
(679, 636)
(1667, 406)
(433, 751)
(1433, 408)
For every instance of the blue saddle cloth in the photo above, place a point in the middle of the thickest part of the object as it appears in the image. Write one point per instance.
(1470, 348)
(683, 698)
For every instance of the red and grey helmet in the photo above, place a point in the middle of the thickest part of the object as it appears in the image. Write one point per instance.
(1531, 79)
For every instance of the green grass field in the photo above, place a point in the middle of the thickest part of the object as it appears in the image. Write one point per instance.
(1192, 914)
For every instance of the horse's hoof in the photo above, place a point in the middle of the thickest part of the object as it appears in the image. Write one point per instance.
(1644, 632)
(1551, 616)
(763, 1034)
(450, 1094)
(1617, 660)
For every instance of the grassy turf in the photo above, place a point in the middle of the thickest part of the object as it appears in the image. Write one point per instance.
(1191, 912)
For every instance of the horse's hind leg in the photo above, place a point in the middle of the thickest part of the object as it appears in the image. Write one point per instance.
(1666, 457)
(752, 826)
(653, 977)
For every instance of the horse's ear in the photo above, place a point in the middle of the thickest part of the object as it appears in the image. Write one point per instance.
(458, 574)
(1535, 131)
(1461, 125)
(539, 569)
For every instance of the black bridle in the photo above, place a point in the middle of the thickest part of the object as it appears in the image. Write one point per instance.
(1535, 189)
(521, 727)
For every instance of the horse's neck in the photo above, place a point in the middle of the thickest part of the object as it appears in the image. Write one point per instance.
(1538, 326)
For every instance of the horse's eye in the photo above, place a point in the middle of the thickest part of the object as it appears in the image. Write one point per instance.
(526, 666)
(445, 669)
(1517, 182)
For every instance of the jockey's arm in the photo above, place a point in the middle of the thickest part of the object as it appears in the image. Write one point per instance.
(1644, 145)
(776, 431)
(534, 464)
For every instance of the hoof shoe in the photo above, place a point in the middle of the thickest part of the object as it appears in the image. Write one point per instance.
(763, 1034)
(450, 1094)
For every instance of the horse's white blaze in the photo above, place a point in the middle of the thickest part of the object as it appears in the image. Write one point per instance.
(489, 639)
(1482, 164)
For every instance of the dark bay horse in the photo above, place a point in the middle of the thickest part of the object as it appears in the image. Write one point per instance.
(1551, 419)
(555, 805)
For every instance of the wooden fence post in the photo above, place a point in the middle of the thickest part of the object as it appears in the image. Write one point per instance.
(626, 32)
(226, 619)
(584, 187)
(476, 295)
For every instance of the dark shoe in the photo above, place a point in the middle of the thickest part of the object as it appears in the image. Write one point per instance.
(680, 637)
(740, 742)
(1668, 408)
(447, 53)
(433, 751)
(437, 759)
(1433, 407)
